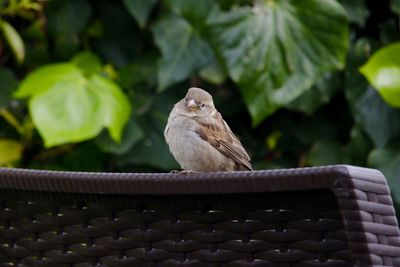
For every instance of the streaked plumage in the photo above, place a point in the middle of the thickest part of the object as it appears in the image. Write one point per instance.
(199, 138)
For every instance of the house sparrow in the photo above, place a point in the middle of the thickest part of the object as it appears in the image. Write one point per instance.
(199, 138)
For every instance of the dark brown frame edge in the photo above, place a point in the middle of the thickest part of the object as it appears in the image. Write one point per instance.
(363, 196)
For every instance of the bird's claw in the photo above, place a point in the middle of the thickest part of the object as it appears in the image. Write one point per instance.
(184, 171)
(188, 171)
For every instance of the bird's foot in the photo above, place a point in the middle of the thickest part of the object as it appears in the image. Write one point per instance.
(184, 171)
(188, 171)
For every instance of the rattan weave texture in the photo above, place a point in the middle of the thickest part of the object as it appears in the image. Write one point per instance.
(327, 216)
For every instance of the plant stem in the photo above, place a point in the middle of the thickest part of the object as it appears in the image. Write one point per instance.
(11, 119)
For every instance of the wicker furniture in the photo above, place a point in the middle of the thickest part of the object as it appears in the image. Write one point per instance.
(326, 216)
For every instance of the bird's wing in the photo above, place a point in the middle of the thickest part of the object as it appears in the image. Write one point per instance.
(216, 132)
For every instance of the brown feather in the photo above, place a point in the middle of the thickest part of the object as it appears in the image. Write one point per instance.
(216, 132)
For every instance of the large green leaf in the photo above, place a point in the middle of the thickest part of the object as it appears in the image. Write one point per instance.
(66, 112)
(388, 161)
(67, 106)
(14, 40)
(383, 72)
(183, 50)
(319, 94)
(47, 77)
(380, 121)
(140, 9)
(357, 11)
(276, 50)
(114, 105)
(212, 72)
(196, 12)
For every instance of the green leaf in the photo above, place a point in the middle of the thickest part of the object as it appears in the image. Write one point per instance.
(227, 4)
(140, 10)
(383, 72)
(324, 153)
(380, 121)
(183, 50)
(14, 40)
(46, 77)
(357, 11)
(10, 151)
(68, 107)
(114, 105)
(8, 83)
(196, 12)
(88, 62)
(66, 112)
(321, 93)
(388, 161)
(276, 50)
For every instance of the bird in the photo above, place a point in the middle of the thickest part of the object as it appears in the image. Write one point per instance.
(199, 138)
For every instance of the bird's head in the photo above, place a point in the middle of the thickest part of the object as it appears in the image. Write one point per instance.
(198, 101)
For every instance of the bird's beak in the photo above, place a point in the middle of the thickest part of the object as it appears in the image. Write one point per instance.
(191, 104)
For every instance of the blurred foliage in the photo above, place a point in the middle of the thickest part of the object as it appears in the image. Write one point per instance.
(383, 72)
(22, 8)
(88, 85)
(71, 102)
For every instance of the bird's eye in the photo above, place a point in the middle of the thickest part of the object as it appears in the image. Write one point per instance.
(202, 105)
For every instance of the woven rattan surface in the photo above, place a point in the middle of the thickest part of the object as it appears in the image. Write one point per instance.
(328, 216)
